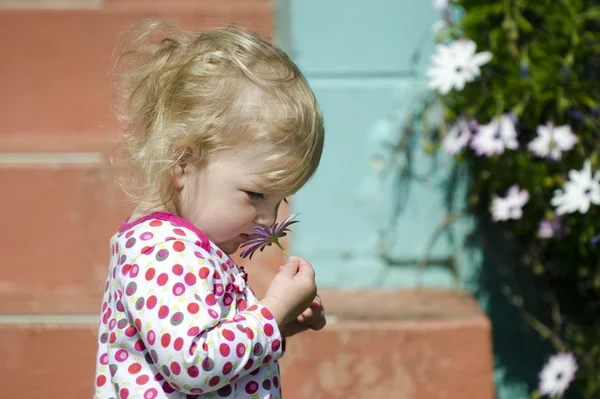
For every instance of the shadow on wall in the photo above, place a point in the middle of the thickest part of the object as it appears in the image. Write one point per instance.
(519, 351)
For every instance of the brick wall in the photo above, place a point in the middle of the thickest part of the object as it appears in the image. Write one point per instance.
(59, 207)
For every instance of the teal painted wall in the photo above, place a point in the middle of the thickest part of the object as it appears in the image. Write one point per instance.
(362, 223)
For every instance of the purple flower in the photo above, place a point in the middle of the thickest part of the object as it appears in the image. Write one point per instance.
(265, 236)
(548, 228)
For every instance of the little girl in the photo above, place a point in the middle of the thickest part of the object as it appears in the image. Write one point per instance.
(220, 128)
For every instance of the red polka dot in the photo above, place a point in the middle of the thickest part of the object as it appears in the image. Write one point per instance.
(217, 275)
(101, 380)
(151, 302)
(210, 300)
(167, 388)
(139, 346)
(179, 232)
(269, 330)
(224, 349)
(163, 311)
(193, 308)
(193, 372)
(249, 333)
(266, 314)
(175, 368)
(130, 331)
(276, 345)
(125, 269)
(162, 279)
(177, 269)
(142, 379)
(178, 246)
(134, 368)
(178, 344)
(112, 338)
(165, 340)
(214, 381)
(155, 223)
(190, 279)
(203, 273)
(150, 274)
(129, 234)
(138, 324)
(147, 250)
(193, 331)
(227, 368)
(124, 394)
(228, 335)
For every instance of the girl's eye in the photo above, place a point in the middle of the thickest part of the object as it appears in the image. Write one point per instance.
(255, 196)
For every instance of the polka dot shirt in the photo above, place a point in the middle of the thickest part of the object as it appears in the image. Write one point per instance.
(179, 321)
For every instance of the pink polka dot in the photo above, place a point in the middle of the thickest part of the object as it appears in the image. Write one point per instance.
(133, 272)
(121, 355)
(240, 350)
(146, 236)
(151, 393)
(124, 394)
(213, 314)
(178, 289)
(151, 337)
(104, 359)
(179, 232)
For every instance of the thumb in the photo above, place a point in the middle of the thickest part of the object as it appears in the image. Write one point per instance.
(290, 268)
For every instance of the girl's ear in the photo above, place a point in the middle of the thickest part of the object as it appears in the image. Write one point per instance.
(178, 171)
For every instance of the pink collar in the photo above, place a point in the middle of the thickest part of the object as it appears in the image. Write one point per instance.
(168, 217)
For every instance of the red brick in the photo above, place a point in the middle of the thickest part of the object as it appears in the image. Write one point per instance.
(57, 222)
(55, 64)
(426, 345)
(47, 361)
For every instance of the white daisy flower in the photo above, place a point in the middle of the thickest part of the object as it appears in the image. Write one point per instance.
(457, 138)
(557, 374)
(455, 64)
(511, 206)
(494, 137)
(552, 141)
(579, 192)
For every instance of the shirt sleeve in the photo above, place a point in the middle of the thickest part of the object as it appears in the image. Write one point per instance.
(180, 305)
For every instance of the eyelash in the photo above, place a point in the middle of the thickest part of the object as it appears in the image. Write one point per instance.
(255, 196)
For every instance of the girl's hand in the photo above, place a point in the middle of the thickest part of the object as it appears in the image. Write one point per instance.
(312, 318)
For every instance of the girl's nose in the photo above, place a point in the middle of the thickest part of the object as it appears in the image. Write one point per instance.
(266, 217)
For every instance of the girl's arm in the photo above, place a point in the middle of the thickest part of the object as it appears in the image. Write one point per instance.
(178, 309)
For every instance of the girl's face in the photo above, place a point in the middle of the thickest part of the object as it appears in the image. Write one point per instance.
(224, 198)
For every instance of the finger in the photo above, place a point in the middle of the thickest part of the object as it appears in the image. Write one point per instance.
(316, 302)
(305, 269)
(290, 268)
(294, 328)
(306, 315)
(320, 325)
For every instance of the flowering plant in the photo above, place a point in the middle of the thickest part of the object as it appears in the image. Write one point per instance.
(517, 83)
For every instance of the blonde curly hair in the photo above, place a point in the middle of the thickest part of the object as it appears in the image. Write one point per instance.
(189, 96)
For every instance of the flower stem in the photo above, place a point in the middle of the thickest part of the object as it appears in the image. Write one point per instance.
(284, 251)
